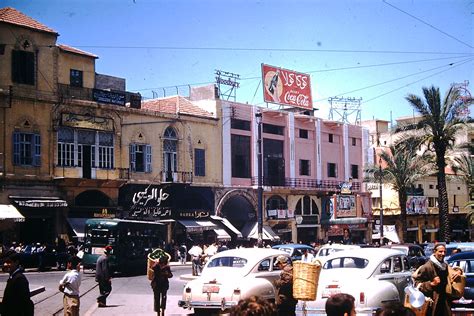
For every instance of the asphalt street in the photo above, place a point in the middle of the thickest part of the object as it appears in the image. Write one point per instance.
(130, 295)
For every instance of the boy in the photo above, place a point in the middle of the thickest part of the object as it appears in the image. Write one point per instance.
(69, 285)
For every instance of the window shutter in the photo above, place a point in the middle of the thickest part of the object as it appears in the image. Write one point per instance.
(37, 150)
(148, 158)
(16, 148)
(133, 149)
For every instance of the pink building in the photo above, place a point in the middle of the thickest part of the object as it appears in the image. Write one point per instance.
(306, 162)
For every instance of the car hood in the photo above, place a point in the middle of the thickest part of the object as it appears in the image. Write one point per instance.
(341, 274)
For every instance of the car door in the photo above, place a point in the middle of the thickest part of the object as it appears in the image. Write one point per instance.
(467, 266)
(267, 272)
(395, 270)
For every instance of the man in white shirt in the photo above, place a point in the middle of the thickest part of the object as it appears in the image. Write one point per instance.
(307, 257)
(69, 285)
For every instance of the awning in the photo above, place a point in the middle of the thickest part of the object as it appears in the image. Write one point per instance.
(250, 231)
(40, 201)
(222, 234)
(345, 220)
(193, 226)
(389, 232)
(228, 224)
(78, 225)
(9, 212)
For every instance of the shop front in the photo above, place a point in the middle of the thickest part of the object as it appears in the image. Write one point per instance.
(187, 211)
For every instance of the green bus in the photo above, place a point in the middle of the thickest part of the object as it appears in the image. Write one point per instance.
(131, 242)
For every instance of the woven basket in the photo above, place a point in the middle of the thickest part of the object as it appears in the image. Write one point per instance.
(149, 266)
(305, 279)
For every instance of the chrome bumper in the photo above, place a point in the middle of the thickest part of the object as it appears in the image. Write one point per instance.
(222, 305)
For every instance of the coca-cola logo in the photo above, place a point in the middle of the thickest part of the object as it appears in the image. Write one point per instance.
(290, 79)
(296, 98)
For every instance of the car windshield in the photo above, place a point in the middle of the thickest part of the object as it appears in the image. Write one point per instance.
(346, 262)
(235, 262)
(287, 250)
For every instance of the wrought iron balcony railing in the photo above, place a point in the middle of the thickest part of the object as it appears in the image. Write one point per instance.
(305, 183)
(176, 176)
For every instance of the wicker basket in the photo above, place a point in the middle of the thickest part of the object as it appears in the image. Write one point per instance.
(305, 280)
(149, 266)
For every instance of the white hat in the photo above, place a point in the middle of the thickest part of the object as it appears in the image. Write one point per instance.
(282, 259)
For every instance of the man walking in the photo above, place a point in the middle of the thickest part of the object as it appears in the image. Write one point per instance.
(16, 297)
(286, 303)
(103, 277)
(69, 285)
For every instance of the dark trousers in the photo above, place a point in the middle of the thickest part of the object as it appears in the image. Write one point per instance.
(159, 296)
(105, 287)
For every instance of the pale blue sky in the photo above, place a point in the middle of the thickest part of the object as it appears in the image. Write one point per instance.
(344, 44)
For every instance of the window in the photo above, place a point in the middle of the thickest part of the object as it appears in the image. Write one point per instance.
(306, 206)
(331, 138)
(23, 67)
(273, 129)
(106, 151)
(332, 170)
(240, 124)
(303, 133)
(431, 186)
(140, 158)
(355, 171)
(305, 167)
(66, 147)
(170, 152)
(199, 162)
(240, 146)
(75, 78)
(26, 149)
(354, 141)
(276, 202)
(420, 186)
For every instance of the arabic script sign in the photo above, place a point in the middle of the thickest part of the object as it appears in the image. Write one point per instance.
(286, 87)
(87, 121)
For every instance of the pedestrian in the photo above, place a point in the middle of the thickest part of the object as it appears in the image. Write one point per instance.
(69, 285)
(182, 253)
(196, 254)
(432, 278)
(340, 304)
(103, 276)
(307, 257)
(286, 303)
(160, 284)
(16, 296)
(254, 306)
(347, 237)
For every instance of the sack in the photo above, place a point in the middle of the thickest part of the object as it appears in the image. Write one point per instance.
(455, 286)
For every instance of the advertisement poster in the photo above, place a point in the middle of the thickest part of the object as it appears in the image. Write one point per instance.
(286, 87)
(417, 205)
(346, 206)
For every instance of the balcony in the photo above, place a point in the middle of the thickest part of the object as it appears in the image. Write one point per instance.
(176, 176)
(321, 185)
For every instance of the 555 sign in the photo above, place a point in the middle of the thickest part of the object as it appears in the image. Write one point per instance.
(286, 87)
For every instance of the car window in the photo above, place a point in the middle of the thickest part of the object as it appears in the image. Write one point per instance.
(386, 266)
(346, 262)
(287, 250)
(406, 264)
(235, 262)
(264, 265)
(397, 264)
(297, 253)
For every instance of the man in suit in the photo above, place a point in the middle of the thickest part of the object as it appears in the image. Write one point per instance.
(16, 297)
(103, 276)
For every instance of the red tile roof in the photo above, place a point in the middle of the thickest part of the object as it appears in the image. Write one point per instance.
(71, 49)
(13, 16)
(175, 105)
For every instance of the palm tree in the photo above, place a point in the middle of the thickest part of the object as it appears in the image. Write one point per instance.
(402, 168)
(437, 129)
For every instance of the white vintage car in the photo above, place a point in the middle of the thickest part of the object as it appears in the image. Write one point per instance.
(232, 275)
(372, 275)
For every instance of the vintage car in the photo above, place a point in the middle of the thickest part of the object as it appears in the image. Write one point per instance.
(372, 275)
(295, 250)
(328, 249)
(415, 253)
(232, 275)
(465, 260)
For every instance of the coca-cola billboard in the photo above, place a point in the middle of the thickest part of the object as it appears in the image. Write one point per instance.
(286, 87)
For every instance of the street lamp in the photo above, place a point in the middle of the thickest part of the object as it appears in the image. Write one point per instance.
(381, 201)
(258, 118)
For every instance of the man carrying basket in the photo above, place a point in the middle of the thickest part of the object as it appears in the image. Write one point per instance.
(286, 303)
(160, 284)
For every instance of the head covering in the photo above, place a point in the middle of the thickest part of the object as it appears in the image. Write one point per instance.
(282, 259)
(108, 249)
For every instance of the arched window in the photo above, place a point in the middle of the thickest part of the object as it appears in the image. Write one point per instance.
(170, 154)
(306, 206)
(276, 202)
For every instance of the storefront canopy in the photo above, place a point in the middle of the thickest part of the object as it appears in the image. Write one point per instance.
(78, 225)
(228, 224)
(9, 212)
(389, 232)
(39, 201)
(195, 226)
(250, 231)
(222, 234)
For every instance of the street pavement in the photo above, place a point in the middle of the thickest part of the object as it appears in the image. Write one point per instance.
(130, 295)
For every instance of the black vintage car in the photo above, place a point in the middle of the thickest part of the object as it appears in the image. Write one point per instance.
(465, 260)
(416, 255)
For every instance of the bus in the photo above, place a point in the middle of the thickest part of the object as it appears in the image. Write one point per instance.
(131, 242)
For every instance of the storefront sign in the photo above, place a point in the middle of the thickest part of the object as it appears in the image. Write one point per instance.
(41, 203)
(286, 87)
(149, 195)
(87, 121)
(150, 211)
(194, 214)
(104, 96)
(346, 206)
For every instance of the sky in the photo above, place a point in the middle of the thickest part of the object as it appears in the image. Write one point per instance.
(378, 51)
